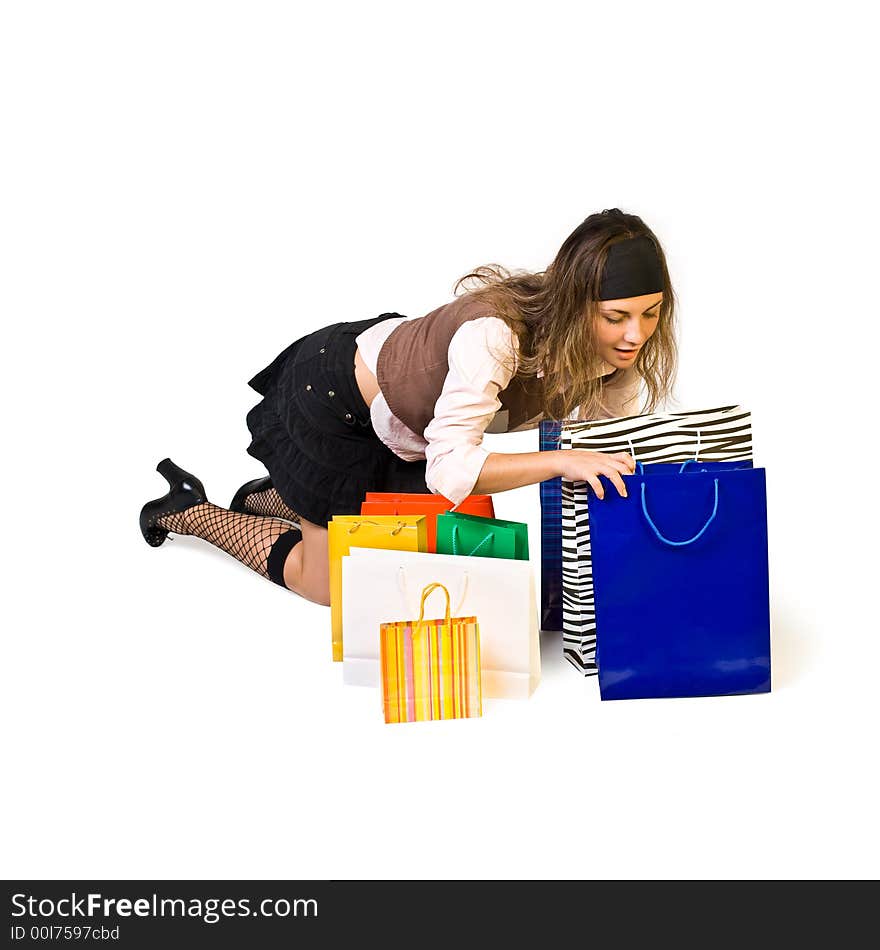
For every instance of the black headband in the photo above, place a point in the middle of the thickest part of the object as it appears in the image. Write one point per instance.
(631, 269)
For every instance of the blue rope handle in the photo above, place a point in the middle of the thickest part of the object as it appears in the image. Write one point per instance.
(640, 467)
(489, 537)
(699, 534)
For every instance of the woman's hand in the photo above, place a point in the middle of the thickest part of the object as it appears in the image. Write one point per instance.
(579, 465)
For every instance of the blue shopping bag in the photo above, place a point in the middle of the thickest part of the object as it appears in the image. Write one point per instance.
(551, 535)
(551, 519)
(681, 584)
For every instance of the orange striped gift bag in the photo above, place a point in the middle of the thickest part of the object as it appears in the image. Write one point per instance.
(431, 668)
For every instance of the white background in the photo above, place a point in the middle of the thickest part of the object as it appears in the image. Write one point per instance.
(187, 188)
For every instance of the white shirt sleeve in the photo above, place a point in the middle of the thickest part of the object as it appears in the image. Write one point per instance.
(482, 361)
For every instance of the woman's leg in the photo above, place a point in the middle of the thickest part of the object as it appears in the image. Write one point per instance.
(267, 501)
(307, 568)
(263, 544)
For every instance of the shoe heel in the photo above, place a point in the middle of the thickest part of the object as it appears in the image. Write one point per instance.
(153, 534)
(185, 492)
(178, 479)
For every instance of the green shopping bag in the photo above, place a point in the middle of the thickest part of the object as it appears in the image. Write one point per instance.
(474, 536)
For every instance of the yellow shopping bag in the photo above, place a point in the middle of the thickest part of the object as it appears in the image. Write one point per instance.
(431, 668)
(389, 532)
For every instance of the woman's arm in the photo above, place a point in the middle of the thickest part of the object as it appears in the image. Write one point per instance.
(458, 464)
(502, 471)
(480, 365)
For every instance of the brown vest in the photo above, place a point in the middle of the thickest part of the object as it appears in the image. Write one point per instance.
(414, 360)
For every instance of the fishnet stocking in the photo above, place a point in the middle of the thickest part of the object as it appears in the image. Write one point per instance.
(269, 503)
(248, 538)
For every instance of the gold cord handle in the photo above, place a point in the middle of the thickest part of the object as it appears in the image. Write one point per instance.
(426, 593)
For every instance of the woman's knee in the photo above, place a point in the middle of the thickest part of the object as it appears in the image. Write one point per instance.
(306, 570)
(317, 590)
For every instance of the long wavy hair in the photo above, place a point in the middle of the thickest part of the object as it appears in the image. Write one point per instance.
(553, 314)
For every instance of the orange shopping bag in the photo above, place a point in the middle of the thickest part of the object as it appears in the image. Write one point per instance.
(403, 503)
(431, 668)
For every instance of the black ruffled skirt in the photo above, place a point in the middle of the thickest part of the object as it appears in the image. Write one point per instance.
(313, 433)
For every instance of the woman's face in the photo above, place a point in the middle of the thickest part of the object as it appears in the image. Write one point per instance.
(623, 326)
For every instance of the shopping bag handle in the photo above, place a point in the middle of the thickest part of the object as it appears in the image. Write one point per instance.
(640, 469)
(426, 593)
(401, 582)
(640, 466)
(400, 526)
(679, 543)
(489, 537)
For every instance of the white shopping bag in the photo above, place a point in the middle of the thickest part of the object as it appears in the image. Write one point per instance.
(382, 586)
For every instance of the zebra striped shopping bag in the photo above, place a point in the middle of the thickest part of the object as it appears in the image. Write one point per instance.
(431, 668)
(723, 434)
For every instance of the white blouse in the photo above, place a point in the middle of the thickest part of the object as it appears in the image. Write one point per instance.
(482, 361)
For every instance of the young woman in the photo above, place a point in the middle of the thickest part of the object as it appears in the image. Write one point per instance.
(391, 404)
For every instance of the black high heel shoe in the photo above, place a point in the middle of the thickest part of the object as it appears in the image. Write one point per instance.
(186, 491)
(260, 485)
(256, 484)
